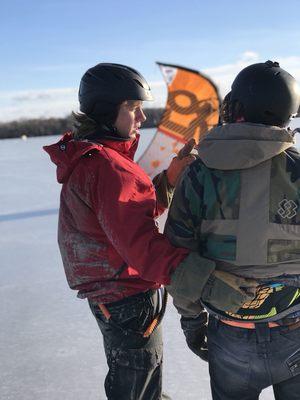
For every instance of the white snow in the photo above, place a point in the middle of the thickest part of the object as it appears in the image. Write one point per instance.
(50, 346)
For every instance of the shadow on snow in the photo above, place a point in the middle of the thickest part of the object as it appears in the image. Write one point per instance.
(28, 214)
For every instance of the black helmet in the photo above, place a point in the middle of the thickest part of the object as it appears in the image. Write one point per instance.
(266, 94)
(106, 85)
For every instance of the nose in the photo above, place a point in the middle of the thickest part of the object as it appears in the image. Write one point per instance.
(141, 117)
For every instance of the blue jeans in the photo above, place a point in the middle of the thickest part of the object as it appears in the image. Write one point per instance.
(134, 361)
(242, 362)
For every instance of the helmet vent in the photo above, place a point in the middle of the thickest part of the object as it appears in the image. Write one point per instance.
(272, 64)
(117, 75)
(138, 82)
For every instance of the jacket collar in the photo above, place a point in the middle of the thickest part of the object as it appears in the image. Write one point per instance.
(125, 147)
(67, 152)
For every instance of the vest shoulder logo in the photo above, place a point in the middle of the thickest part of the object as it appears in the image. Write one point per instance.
(287, 209)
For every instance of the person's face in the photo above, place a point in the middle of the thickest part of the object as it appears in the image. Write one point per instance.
(130, 118)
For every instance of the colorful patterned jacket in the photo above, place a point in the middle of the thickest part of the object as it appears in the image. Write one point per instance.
(239, 204)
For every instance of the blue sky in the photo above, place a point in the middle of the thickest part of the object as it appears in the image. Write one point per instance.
(47, 45)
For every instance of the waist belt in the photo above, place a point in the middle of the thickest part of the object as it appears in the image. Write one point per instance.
(246, 325)
(251, 325)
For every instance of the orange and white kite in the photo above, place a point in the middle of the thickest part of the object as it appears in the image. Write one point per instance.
(192, 109)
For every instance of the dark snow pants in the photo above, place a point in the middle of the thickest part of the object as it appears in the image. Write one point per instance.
(135, 362)
(242, 362)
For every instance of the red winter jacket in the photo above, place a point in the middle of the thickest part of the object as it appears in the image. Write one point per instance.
(108, 239)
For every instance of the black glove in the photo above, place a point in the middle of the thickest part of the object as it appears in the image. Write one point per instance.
(195, 331)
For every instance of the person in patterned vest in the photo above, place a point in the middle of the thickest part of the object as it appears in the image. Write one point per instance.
(239, 205)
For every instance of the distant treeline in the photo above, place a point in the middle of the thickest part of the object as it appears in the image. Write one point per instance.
(57, 126)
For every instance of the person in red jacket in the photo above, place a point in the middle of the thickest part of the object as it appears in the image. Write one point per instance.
(112, 251)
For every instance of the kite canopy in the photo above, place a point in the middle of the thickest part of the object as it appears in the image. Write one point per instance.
(192, 109)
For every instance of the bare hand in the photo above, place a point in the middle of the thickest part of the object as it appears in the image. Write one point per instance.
(180, 162)
(186, 149)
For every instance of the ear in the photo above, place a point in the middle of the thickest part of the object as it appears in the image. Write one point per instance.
(236, 112)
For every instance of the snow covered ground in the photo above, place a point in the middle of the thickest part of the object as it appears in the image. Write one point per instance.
(50, 346)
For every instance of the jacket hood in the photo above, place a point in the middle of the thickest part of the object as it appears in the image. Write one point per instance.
(242, 145)
(67, 152)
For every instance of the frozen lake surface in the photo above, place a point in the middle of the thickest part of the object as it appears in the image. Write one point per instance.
(50, 345)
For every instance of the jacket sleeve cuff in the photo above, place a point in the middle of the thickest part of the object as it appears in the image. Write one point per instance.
(164, 191)
(190, 277)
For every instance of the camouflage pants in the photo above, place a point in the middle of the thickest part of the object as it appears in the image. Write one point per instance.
(135, 362)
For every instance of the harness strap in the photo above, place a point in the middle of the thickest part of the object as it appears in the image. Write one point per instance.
(105, 311)
(157, 320)
(154, 323)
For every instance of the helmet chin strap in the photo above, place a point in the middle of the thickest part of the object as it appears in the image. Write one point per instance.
(108, 131)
